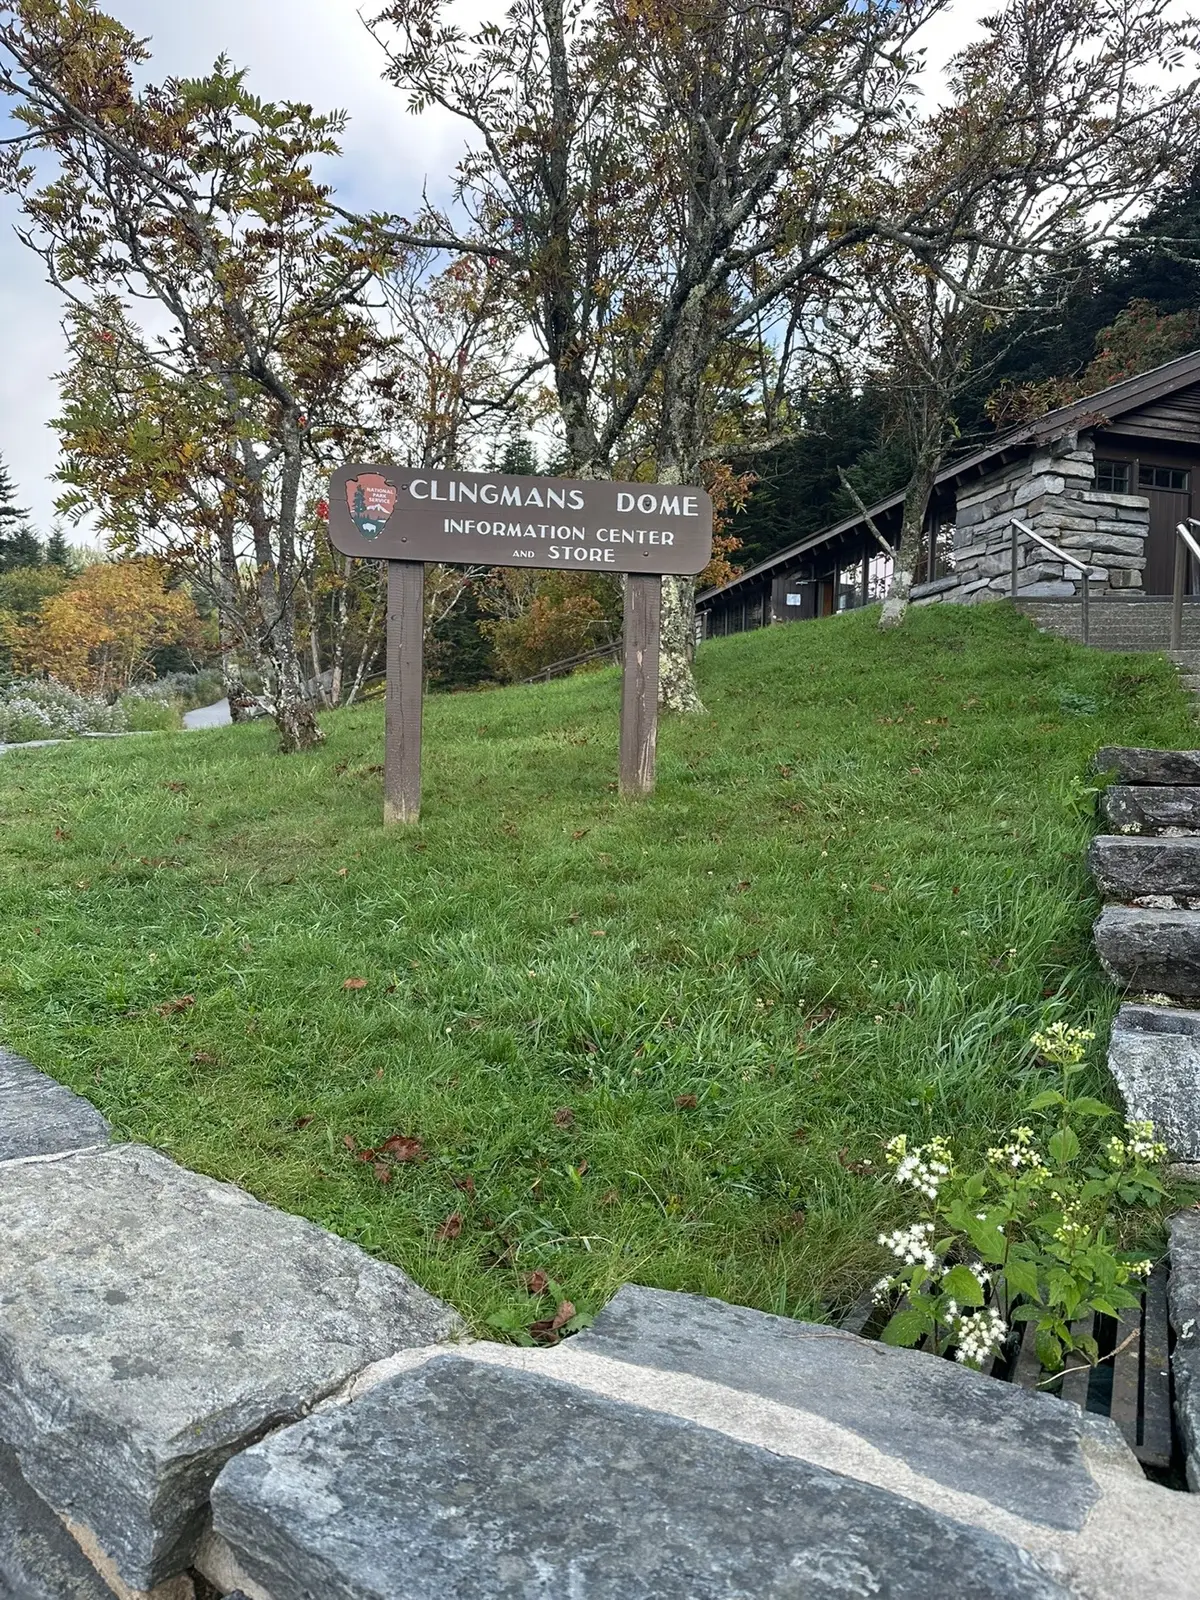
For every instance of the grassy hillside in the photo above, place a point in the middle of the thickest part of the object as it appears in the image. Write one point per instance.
(657, 1041)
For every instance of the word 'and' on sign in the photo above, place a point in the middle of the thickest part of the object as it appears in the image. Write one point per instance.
(409, 516)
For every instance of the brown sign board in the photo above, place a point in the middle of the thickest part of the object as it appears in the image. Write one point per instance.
(490, 519)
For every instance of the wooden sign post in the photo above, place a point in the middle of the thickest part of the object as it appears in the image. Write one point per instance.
(408, 516)
(639, 683)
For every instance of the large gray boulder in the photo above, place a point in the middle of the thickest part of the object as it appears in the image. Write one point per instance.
(1183, 1290)
(1130, 867)
(456, 1481)
(153, 1321)
(1151, 808)
(1151, 951)
(39, 1117)
(1137, 765)
(1154, 1055)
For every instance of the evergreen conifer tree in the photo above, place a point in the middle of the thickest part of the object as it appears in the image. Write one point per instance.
(58, 553)
(19, 545)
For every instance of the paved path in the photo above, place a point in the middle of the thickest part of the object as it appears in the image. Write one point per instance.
(214, 716)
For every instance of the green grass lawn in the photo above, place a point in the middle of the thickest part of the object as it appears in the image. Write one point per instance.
(656, 1041)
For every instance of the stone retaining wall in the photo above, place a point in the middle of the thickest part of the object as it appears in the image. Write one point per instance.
(199, 1393)
(1051, 490)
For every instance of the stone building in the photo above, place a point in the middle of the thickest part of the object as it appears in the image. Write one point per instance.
(1106, 479)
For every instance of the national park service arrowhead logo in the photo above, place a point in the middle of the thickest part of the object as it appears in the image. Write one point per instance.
(371, 499)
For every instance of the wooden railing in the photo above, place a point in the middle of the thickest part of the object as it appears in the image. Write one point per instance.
(1019, 527)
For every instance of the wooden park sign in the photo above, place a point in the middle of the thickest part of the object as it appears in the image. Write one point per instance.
(408, 516)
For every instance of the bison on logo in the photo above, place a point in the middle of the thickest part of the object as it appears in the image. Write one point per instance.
(371, 500)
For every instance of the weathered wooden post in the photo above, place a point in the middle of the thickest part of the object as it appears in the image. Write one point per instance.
(639, 683)
(405, 646)
(408, 516)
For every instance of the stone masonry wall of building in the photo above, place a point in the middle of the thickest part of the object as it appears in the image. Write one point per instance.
(1052, 490)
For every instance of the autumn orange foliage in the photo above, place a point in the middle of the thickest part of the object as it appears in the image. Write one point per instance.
(100, 632)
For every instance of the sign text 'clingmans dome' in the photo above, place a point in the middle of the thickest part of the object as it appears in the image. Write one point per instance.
(494, 520)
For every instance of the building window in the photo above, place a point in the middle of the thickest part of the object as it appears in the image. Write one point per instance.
(1163, 478)
(1113, 476)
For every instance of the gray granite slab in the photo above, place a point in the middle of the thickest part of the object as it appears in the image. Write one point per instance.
(1153, 951)
(1135, 764)
(39, 1560)
(1154, 1055)
(152, 1321)
(1016, 1449)
(39, 1117)
(457, 1481)
(1129, 867)
(1150, 808)
(1183, 1294)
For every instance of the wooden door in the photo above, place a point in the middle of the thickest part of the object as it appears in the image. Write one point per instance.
(1168, 489)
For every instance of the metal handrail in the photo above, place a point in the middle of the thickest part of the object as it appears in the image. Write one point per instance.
(1183, 543)
(1060, 555)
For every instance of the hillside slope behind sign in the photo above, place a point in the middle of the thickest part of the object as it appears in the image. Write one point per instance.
(490, 519)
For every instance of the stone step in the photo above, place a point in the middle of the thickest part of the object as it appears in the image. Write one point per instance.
(1154, 1055)
(1150, 951)
(1133, 867)
(1184, 1298)
(1151, 808)
(39, 1117)
(154, 1321)
(684, 1449)
(1133, 764)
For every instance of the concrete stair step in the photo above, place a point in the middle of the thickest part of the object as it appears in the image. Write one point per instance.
(1151, 808)
(1139, 867)
(1150, 951)
(684, 1449)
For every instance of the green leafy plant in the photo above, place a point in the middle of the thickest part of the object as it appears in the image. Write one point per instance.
(1032, 1235)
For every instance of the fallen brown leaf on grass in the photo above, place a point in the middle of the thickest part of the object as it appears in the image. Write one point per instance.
(686, 1102)
(383, 1172)
(355, 983)
(183, 1002)
(201, 1058)
(537, 1281)
(564, 1117)
(467, 1184)
(547, 1331)
(402, 1147)
(350, 1141)
(450, 1229)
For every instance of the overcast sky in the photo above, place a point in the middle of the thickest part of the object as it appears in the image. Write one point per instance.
(312, 50)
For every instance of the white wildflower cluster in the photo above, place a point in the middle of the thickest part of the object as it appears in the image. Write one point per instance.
(923, 1169)
(1063, 1045)
(978, 1335)
(1139, 1145)
(1072, 1231)
(35, 708)
(1141, 1269)
(1131, 827)
(883, 1289)
(911, 1246)
(1018, 1153)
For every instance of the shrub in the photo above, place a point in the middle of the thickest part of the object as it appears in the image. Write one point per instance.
(40, 708)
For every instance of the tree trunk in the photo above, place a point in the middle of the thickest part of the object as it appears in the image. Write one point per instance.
(912, 537)
(676, 682)
(228, 632)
